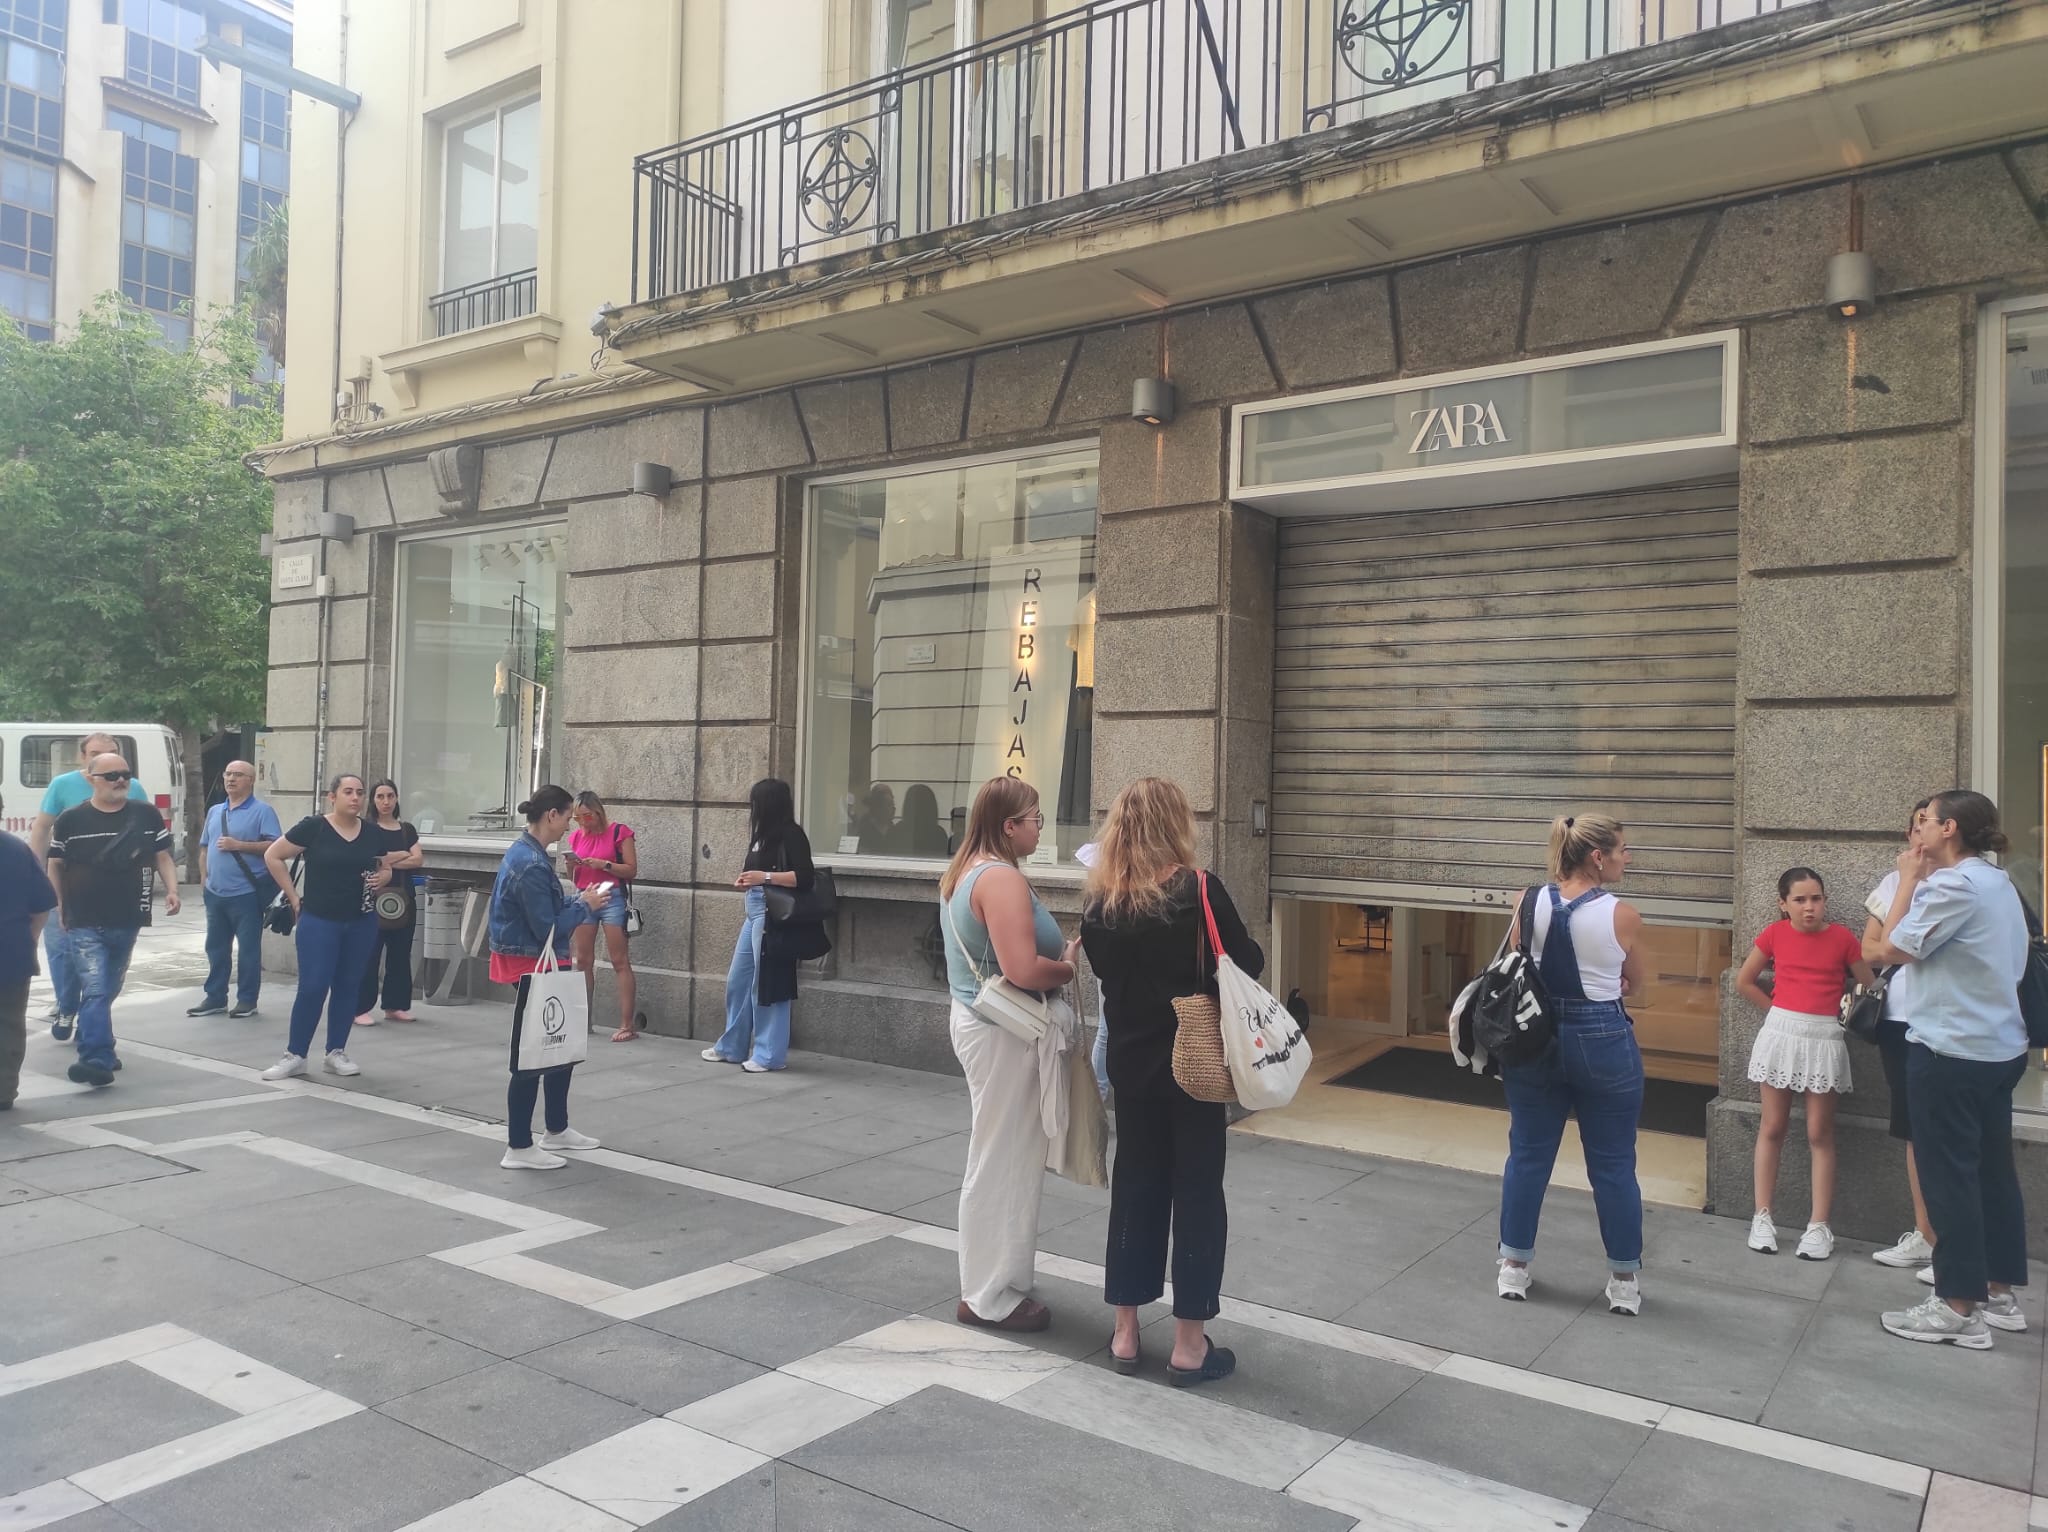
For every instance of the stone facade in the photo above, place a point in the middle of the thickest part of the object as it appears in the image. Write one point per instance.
(682, 657)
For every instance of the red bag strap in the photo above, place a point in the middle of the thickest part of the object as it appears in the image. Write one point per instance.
(1209, 915)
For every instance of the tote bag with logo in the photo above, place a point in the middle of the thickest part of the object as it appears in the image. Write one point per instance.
(550, 1017)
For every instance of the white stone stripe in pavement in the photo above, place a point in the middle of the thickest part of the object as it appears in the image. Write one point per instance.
(648, 1470)
(890, 1364)
(519, 1505)
(228, 1378)
(554, 1281)
(518, 1242)
(774, 1414)
(1803, 1451)
(1392, 1493)
(90, 1357)
(44, 1505)
(216, 1444)
(671, 1291)
(1965, 1505)
(2038, 1517)
(1541, 1386)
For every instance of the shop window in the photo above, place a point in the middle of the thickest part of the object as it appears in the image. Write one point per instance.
(950, 637)
(478, 661)
(2023, 640)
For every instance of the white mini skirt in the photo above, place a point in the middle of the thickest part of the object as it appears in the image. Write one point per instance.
(1798, 1052)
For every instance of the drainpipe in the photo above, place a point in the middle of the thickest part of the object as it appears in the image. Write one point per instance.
(342, 119)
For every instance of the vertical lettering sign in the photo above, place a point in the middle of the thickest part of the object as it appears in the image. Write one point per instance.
(1027, 664)
(1029, 598)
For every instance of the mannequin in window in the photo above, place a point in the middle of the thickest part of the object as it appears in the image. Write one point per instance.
(919, 832)
(876, 821)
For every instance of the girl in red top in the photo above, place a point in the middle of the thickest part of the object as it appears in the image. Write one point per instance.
(1801, 1049)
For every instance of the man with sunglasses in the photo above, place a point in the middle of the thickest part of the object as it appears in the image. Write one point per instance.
(67, 791)
(101, 853)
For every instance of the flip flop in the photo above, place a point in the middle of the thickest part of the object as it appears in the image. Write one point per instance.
(1126, 1366)
(625, 1035)
(1217, 1362)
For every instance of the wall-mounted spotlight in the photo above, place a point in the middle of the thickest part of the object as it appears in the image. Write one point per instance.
(652, 479)
(263, 544)
(1851, 285)
(337, 526)
(1152, 401)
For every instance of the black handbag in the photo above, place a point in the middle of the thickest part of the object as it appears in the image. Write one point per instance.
(788, 907)
(1863, 1007)
(2034, 980)
(281, 918)
(1511, 1013)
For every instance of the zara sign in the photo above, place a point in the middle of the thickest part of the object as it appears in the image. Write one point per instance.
(1443, 427)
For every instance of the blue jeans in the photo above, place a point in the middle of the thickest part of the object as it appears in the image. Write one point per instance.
(752, 1030)
(234, 924)
(57, 945)
(332, 956)
(1594, 1071)
(99, 967)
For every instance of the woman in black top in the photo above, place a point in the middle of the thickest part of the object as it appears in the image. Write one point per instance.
(761, 983)
(402, 854)
(336, 926)
(1143, 930)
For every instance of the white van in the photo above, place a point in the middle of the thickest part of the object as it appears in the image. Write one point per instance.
(31, 754)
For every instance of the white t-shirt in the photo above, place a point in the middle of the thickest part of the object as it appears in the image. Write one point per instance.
(1898, 989)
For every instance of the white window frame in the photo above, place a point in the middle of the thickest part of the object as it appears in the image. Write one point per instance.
(449, 132)
(1987, 557)
(451, 840)
(919, 867)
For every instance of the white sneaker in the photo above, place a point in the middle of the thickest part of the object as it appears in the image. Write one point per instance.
(531, 1158)
(2002, 1312)
(1624, 1296)
(339, 1063)
(1935, 1321)
(1926, 1274)
(1911, 1250)
(1817, 1243)
(1514, 1282)
(1763, 1236)
(713, 1056)
(568, 1138)
(756, 1069)
(291, 1064)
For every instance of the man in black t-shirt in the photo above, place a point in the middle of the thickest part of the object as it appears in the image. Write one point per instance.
(101, 856)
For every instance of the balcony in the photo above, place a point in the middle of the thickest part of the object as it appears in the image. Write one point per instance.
(491, 301)
(1129, 155)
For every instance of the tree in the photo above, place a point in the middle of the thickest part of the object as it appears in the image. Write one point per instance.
(130, 574)
(263, 282)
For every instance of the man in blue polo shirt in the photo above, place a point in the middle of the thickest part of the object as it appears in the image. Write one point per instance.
(237, 890)
(67, 791)
(26, 900)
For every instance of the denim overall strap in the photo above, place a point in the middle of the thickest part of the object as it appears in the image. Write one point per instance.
(1558, 968)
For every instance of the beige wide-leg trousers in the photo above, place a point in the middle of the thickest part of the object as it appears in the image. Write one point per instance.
(1006, 1149)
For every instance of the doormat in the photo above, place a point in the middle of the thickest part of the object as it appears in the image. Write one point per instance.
(1669, 1106)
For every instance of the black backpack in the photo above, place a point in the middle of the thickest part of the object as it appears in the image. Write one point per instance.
(1511, 1013)
(2034, 980)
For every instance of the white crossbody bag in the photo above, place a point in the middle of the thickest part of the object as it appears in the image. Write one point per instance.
(1024, 1015)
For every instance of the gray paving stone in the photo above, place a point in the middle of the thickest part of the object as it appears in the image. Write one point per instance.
(792, 1112)
(325, 1234)
(781, 1498)
(1696, 1344)
(516, 1416)
(773, 1321)
(979, 1465)
(1458, 1277)
(465, 1306)
(1305, 1281)
(1845, 1381)
(641, 1254)
(92, 1288)
(346, 1347)
(1085, 1238)
(81, 1170)
(890, 1271)
(1254, 1175)
(885, 1188)
(302, 1119)
(622, 1197)
(59, 1428)
(768, 1162)
(948, 1154)
(943, 1211)
(1081, 1321)
(223, 1178)
(869, 1133)
(1600, 1521)
(1292, 1380)
(18, 1143)
(1680, 1485)
(1425, 1193)
(101, 1519)
(1565, 1453)
(53, 1220)
(642, 1367)
(470, 1161)
(365, 1472)
(13, 1192)
(143, 1083)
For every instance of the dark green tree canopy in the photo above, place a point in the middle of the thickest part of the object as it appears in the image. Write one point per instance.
(131, 582)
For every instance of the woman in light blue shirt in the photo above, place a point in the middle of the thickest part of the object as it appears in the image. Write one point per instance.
(1958, 920)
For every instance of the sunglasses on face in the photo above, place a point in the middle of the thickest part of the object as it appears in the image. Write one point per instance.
(113, 776)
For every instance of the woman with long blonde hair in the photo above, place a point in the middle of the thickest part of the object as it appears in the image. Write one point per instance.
(1146, 935)
(994, 923)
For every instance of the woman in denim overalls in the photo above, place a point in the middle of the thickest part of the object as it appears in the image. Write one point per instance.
(1585, 945)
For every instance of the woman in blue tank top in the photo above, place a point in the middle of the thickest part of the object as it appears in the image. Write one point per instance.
(993, 924)
(1586, 950)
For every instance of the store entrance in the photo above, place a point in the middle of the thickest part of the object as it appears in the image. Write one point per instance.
(1379, 980)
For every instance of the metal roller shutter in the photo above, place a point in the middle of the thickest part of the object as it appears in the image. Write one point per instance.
(1447, 681)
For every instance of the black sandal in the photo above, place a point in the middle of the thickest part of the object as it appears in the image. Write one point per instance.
(1217, 1362)
(1127, 1366)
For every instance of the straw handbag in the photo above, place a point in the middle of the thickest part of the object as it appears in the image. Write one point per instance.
(1199, 1066)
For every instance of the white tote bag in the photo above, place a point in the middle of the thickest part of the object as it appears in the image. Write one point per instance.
(551, 1017)
(1263, 1044)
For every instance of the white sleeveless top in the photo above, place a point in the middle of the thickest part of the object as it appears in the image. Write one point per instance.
(1593, 939)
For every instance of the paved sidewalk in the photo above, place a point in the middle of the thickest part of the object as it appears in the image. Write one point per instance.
(235, 1306)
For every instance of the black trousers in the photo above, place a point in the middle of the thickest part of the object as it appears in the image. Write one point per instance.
(550, 1084)
(1168, 1175)
(1962, 1141)
(394, 948)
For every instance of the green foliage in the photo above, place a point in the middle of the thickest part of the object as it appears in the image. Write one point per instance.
(264, 287)
(130, 576)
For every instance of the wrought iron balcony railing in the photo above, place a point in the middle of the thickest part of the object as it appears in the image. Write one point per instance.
(491, 301)
(1110, 92)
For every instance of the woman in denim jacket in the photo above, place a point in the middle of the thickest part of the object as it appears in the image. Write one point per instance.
(529, 913)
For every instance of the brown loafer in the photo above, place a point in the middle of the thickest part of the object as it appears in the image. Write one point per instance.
(1027, 1318)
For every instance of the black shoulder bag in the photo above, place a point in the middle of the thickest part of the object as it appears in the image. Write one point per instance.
(1511, 1013)
(2034, 979)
